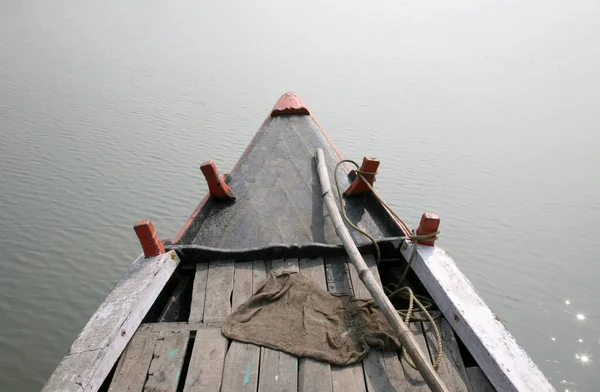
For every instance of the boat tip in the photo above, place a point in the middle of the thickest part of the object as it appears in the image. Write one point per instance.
(289, 103)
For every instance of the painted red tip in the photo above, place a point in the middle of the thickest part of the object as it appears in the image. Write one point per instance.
(358, 186)
(216, 185)
(430, 223)
(289, 103)
(151, 245)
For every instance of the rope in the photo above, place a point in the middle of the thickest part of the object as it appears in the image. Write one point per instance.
(404, 292)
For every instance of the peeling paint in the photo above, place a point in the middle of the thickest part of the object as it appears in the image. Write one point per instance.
(247, 373)
(173, 352)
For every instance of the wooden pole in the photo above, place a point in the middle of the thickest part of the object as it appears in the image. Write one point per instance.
(404, 335)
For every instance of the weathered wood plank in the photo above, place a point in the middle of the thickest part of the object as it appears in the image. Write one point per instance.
(103, 339)
(199, 293)
(131, 371)
(413, 378)
(206, 363)
(242, 283)
(210, 346)
(118, 305)
(278, 370)
(337, 275)
(383, 371)
(169, 355)
(314, 269)
(241, 368)
(74, 372)
(259, 275)
(343, 378)
(452, 369)
(479, 381)
(218, 291)
(240, 372)
(358, 287)
(283, 265)
(504, 362)
(314, 376)
(208, 355)
(348, 378)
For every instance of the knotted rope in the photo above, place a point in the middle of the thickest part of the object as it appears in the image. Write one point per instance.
(404, 292)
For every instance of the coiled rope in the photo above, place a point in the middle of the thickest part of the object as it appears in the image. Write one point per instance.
(403, 292)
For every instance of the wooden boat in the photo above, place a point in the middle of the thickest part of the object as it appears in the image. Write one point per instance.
(159, 328)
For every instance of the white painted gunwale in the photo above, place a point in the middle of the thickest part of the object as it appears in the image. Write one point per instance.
(505, 363)
(109, 330)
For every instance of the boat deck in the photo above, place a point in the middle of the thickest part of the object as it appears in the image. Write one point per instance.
(278, 194)
(195, 356)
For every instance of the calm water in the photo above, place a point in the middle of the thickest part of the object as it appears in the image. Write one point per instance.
(483, 111)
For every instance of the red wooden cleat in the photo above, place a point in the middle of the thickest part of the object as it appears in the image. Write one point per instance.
(216, 185)
(358, 186)
(151, 245)
(430, 223)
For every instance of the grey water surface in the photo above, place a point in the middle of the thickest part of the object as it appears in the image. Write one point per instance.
(486, 112)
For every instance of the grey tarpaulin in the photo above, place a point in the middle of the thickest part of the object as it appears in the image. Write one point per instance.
(291, 313)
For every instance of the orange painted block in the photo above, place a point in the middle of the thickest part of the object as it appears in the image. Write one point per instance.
(430, 223)
(289, 103)
(149, 240)
(216, 185)
(358, 186)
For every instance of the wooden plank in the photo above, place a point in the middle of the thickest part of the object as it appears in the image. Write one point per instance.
(131, 371)
(452, 369)
(314, 269)
(169, 355)
(383, 371)
(259, 275)
(73, 372)
(358, 287)
(198, 293)
(343, 378)
(348, 378)
(279, 265)
(241, 368)
(240, 372)
(278, 370)
(504, 362)
(242, 283)
(479, 381)
(206, 363)
(337, 275)
(208, 355)
(218, 291)
(314, 376)
(413, 378)
(103, 339)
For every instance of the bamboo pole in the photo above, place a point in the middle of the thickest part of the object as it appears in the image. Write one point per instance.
(404, 335)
